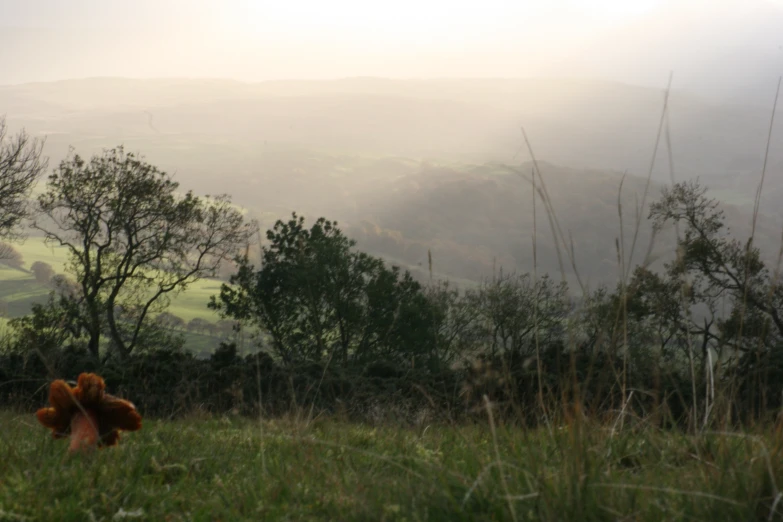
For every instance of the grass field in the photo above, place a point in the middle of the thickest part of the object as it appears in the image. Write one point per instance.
(20, 290)
(238, 469)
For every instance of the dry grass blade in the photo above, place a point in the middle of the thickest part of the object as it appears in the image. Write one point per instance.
(756, 206)
(477, 482)
(774, 507)
(673, 491)
(503, 480)
(664, 112)
(523, 497)
(557, 232)
(683, 282)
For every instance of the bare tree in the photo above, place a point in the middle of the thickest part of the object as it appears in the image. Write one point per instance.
(10, 256)
(21, 163)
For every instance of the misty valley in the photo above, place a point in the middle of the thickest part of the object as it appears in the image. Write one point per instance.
(373, 298)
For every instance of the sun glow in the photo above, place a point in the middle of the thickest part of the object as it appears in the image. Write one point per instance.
(417, 38)
(256, 40)
(418, 19)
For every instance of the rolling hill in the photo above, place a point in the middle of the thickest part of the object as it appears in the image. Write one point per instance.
(417, 165)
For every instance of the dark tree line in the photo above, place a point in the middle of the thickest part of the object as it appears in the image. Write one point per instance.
(701, 337)
(319, 299)
(695, 342)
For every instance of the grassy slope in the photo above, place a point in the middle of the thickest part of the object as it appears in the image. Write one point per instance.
(233, 469)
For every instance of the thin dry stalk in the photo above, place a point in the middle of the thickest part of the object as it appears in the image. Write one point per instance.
(260, 415)
(756, 206)
(683, 282)
(503, 481)
(557, 232)
(623, 288)
(621, 415)
(664, 113)
(674, 491)
(539, 368)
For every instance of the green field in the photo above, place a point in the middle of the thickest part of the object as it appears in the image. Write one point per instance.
(238, 469)
(19, 290)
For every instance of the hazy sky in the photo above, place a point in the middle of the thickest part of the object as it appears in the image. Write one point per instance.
(258, 40)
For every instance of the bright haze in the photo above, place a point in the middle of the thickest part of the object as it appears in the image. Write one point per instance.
(402, 119)
(637, 41)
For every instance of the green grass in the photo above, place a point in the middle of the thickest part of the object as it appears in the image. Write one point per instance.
(35, 249)
(20, 290)
(192, 302)
(237, 469)
(12, 274)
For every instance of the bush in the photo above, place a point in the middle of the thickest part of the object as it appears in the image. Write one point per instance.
(43, 272)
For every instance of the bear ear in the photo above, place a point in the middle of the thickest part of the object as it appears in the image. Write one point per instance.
(62, 397)
(90, 390)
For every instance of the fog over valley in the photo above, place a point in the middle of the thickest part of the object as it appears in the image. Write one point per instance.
(349, 260)
(410, 151)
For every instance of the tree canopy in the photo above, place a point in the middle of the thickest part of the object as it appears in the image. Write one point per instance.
(21, 164)
(319, 299)
(133, 240)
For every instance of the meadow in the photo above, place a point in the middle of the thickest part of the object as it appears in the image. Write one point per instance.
(232, 468)
(20, 291)
(297, 467)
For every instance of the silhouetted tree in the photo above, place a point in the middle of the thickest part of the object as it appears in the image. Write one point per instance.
(10, 256)
(739, 301)
(719, 271)
(21, 163)
(133, 240)
(47, 328)
(319, 300)
(503, 313)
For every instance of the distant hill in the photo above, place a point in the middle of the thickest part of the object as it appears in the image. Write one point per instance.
(414, 165)
(575, 123)
(476, 219)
